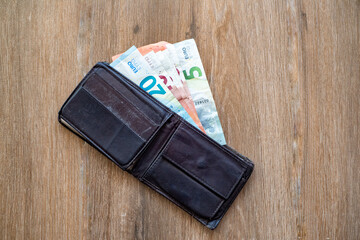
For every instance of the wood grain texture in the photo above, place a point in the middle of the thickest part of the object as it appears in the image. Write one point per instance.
(285, 76)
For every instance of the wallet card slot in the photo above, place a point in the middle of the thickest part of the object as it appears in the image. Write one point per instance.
(120, 106)
(182, 188)
(210, 165)
(107, 131)
(153, 110)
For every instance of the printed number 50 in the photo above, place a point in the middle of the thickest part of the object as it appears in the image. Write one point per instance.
(191, 73)
(150, 81)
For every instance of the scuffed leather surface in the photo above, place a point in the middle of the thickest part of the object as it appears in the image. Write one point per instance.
(154, 144)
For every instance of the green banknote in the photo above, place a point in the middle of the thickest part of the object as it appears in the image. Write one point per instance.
(193, 70)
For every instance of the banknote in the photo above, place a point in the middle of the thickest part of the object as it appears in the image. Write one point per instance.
(169, 66)
(174, 57)
(168, 57)
(133, 65)
(178, 82)
(158, 67)
(159, 46)
(194, 73)
(179, 86)
(170, 61)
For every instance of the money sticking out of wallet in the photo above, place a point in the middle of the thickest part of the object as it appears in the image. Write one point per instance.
(174, 75)
(152, 113)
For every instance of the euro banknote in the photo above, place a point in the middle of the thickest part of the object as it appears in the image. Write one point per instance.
(174, 73)
(159, 46)
(170, 59)
(194, 73)
(133, 66)
(190, 72)
(178, 84)
(158, 67)
(173, 56)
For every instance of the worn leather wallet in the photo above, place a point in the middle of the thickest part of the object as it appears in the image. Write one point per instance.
(155, 145)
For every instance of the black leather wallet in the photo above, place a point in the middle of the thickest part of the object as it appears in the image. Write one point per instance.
(154, 144)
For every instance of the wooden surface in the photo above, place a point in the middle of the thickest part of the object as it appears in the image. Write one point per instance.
(285, 76)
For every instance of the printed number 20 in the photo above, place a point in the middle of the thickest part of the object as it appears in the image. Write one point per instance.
(191, 73)
(151, 81)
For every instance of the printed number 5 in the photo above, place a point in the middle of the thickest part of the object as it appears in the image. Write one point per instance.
(191, 73)
(151, 81)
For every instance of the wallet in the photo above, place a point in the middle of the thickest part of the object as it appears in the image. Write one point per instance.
(155, 145)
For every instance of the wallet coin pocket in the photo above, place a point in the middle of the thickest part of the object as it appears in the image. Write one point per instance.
(216, 168)
(186, 191)
(197, 173)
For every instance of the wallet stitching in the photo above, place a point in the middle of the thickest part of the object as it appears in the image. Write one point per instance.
(128, 101)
